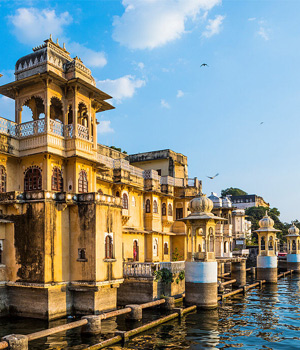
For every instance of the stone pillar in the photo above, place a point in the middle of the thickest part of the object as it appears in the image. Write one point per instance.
(169, 304)
(93, 326)
(136, 313)
(220, 268)
(267, 268)
(238, 273)
(201, 287)
(16, 341)
(293, 262)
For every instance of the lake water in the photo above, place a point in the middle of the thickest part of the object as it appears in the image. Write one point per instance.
(263, 319)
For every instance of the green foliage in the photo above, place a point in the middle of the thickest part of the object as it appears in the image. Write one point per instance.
(256, 213)
(181, 275)
(233, 191)
(164, 275)
(176, 256)
(118, 149)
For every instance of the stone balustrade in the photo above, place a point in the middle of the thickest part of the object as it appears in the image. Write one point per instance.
(146, 270)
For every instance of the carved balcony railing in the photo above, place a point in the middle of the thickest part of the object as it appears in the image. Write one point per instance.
(32, 128)
(146, 270)
(124, 164)
(8, 127)
(151, 174)
(83, 132)
(137, 269)
(56, 128)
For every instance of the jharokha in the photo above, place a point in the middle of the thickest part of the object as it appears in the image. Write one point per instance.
(85, 228)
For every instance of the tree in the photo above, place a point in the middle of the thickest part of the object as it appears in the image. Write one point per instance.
(233, 192)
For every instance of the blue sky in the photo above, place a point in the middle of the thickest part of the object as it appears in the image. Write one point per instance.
(147, 55)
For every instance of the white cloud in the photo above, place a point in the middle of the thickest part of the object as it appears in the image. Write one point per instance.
(153, 23)
(105, 127)
(89, 57)
(164, 104)
(263, 31)
(121, 88)
(180, 93)
(32, 25)
(252, 19)
(214, 26)
(141, 65)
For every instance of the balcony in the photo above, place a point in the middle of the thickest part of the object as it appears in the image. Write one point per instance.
(146, 270)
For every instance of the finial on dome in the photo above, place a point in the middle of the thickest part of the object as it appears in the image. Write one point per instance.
(266, 213)
(64, 46)
(51, 37)
(57, 42)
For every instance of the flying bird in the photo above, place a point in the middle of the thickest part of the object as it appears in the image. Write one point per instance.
(261, 123)
(204, 65)
(212, 177)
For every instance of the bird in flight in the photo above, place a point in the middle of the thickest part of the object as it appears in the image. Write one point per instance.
(261, 123)
(204, 65)
(212, 177)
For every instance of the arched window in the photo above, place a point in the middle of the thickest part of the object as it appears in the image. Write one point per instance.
(125, 201)
(82, 182)
(70, 115)
(294, 245)
(170, 210)
(33, 179)
(164, 209)
(155, 207)
(108, 247)
(82, 114)
(117, 194)
(199, 248)
(148, 206)
(2, 179)
(155, 247)
(56, 109)
(57, 180)
(262, 244)
(271, 244)
(135, 250)
(166, 248)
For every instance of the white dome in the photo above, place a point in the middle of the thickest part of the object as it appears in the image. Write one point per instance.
(226, 202)
(293, 230)
(266, 222)
(201, 204)
(216, 200)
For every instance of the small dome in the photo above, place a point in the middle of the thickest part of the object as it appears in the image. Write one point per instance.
(216, 200)
(266, 222)
(293, 230)
(226, 202)
(201, 204)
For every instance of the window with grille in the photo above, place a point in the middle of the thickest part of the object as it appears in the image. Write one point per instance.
(108, 247)
(170, 210)
(148, 207)
(2, 179)
(83, 182)
(57, 180)
(125, 201)
(33, 179)
(164, 209)
(179, 213)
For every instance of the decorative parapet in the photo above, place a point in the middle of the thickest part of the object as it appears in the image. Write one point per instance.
(151, 174)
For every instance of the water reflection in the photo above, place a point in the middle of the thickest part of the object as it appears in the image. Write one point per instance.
(263, 319)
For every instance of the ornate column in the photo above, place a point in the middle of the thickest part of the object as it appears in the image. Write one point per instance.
(267, 259)
(201, 271)
(293, 249)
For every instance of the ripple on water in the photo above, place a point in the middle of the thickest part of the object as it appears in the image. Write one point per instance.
(263, 319)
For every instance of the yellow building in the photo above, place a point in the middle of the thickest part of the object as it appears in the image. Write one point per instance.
(76, 217)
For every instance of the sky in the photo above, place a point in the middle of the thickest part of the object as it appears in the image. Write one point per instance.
(238, 116)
